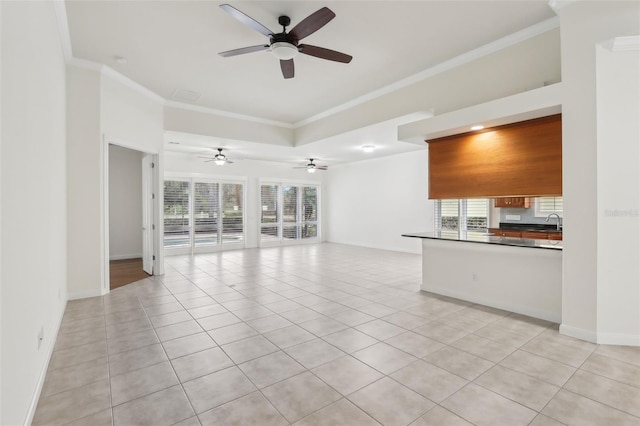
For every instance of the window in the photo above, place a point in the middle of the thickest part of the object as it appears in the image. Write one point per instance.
(176, 213)
(288, 212)
(202, 213)
(462, 214)
(546, 205)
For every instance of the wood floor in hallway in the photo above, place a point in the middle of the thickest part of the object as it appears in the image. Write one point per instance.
(125, 271)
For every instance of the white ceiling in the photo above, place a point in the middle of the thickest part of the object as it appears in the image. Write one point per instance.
(172, 45)
(344, 148)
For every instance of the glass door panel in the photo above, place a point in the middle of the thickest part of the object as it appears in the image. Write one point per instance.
(205, 213)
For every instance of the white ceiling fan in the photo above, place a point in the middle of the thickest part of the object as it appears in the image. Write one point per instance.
(220, 159)
(312, 167)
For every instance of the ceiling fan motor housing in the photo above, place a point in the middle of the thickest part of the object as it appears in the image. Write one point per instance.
(284, 20)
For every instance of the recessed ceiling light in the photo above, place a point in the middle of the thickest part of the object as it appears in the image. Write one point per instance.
(120, 59)
(368, 148)
(477, 127)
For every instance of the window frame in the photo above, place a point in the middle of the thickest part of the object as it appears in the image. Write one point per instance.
(280, 223)
(538, 212)
(463, 224)
(219, 245)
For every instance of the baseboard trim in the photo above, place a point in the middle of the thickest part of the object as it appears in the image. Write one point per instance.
(374, 246)
(43, 372)
(618, 339)
(579, 333)
(126, 256)
(524, 310)
(86, 293)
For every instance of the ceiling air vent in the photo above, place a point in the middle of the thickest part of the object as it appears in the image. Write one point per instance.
(186, 95)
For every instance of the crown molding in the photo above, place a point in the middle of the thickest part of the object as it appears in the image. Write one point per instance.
(107, 71)
(121, 78)
(212, 111)
(557, 5)
(487, 49)
(457, 61)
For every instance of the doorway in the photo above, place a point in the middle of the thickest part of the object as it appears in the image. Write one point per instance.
(130, 216)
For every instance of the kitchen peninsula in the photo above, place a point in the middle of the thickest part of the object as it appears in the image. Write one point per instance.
(516, 274)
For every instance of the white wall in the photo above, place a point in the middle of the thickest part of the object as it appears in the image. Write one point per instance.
(83, 182)
(618, 109)
(251, 170)
(523, 66)
(101, 111)
(33, 217)
(585, 25)
(371, 203)
(125, 203)
(130, 116)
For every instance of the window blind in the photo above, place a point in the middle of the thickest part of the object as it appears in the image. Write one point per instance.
(232, 216)
(205, 212)
(269, 214)
(449, 214)
(309, 212)
(200, 213)
(176, 213)
(547, 205)
(466, 214)
(288, 212)
(477, 213)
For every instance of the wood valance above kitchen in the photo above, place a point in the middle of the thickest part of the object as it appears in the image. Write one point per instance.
(515, 160)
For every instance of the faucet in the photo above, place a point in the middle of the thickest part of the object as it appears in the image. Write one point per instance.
(559, 224)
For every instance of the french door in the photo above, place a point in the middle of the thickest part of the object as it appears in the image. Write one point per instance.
(289, 213)
(202, 215)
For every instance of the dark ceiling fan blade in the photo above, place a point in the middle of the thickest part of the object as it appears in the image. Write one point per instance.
(312, 23)
(321, 52)
(321, 167)
(247, 20)
(243, 50)
(287, 67)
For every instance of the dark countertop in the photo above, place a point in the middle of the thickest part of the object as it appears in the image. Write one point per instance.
(485, 238)
(531, 227)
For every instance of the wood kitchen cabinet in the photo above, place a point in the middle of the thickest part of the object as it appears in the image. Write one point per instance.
(505, 233)
(535, 235)
(512, 202)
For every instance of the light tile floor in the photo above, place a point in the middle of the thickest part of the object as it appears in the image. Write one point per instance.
(317, 335)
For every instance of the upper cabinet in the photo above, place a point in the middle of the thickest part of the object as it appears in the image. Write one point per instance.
(515, 160)
(512, 202)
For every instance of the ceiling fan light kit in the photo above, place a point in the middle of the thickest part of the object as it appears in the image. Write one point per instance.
(219, 159)
(283, 50)
(285, 45)
(311, 167)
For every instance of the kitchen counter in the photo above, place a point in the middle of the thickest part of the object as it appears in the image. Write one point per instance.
(516, 274)
(485, 238)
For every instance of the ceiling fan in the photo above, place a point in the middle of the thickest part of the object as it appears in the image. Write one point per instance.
(312, 167)
(220, 159)
(284, 45)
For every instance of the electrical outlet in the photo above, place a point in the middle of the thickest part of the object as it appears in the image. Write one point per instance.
(474, 276)
(40, 337)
